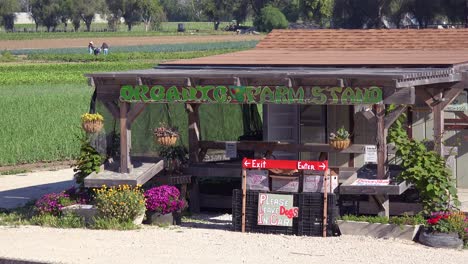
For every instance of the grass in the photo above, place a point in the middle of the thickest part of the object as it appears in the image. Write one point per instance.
(41, 122)
(13, 172)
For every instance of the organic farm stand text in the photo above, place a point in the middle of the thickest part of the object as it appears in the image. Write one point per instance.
(290, 71)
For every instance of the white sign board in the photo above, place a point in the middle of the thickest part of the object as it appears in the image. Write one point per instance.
(370, 156)
(371, 182)
(314, 183)
(231, 149)
(459, 104)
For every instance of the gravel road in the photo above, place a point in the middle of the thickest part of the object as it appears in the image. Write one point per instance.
(198, 245)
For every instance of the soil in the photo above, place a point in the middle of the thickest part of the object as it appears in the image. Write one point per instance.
(208, 244)
(119, 41)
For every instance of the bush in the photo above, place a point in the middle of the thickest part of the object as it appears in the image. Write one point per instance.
(123, 203)
(164, 199)
(447, 222)
(270, 18)
(65, 221)
(88, 162)
(52, 203)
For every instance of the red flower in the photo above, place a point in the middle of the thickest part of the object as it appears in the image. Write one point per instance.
(434, 220)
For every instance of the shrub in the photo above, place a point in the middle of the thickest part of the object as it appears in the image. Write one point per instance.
(113, 224)
(65, 221)
(52, 203)
(88, 162)
(270, 18)
(164, 199)
(123, 203)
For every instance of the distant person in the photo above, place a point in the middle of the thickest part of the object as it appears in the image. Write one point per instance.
(105, 48)
(91, 48)
(97, 51)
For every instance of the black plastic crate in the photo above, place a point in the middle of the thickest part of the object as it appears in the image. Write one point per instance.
(251, 212)
(311, 214)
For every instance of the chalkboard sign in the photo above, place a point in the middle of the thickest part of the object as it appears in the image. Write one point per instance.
(276, 209)
(258, 180)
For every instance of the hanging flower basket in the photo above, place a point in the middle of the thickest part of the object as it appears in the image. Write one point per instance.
(92, 123)
(165, 135)
(166, 140)
(340, 144)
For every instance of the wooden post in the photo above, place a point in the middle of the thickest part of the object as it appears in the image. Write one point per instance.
(244, 197)
(193, 132)
(383, 204)
(125, 139)
(439, 128)
(325, 202)
(381, 140)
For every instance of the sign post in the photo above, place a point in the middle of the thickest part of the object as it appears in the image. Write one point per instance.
(262, 164)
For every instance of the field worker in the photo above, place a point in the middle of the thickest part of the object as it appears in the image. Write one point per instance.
(105, 48)
(97, 51)
(91, 48)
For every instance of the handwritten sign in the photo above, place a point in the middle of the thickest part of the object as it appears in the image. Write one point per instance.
(370, 155)
(276, 209)
(284, 164)
(371, 182)
(231, 149)
(258, 180)
(314, 183)
(252, 94)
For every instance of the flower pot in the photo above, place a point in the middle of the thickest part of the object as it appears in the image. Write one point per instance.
(92, 126)
(166, 141)
(139, 219)
(155, 218)
(340, 144)
(440, 240)
(405, 232)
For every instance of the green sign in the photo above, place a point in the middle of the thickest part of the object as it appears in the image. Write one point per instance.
(276, 209)
(252, 94)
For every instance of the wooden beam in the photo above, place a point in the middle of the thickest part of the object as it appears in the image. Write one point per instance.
(393, 116)
(134, 112)
(112, 107)
(452, 93)
(125, 139)
(399, 96)
(194, 131)
(381, 140)
(264, 146)
(438, 112)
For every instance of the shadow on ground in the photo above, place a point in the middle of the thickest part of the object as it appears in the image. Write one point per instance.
(18, 197)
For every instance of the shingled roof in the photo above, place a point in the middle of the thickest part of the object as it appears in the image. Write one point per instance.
(345, 48)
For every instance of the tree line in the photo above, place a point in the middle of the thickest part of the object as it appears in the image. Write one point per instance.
(273, 13)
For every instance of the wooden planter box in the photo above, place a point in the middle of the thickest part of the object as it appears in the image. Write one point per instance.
(405, 232)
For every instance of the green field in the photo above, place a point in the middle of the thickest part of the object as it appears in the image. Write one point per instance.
(27, 31)
(44, 96)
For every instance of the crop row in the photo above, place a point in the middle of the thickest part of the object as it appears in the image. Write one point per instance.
(127, 56)
(179, 47)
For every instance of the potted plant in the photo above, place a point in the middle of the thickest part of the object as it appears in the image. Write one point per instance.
(174, 157)
(404, 227)
(340, 139)
(92, 123)
(445, 230)
(166, 135)
(161, 202)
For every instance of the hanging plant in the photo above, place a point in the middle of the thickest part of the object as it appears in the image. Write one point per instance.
(92, 123)
(166, 135)
(340, 139)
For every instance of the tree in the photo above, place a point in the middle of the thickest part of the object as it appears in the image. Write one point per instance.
(65, 12)
(425, 11)
(319, 11)
(151, 10)
(216, 10)
(270, 18)
(7, 13)
(128, 9)
(86, 10)
(46, 12)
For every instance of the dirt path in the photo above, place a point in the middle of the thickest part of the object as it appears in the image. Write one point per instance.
(194, 245)
(119, 41)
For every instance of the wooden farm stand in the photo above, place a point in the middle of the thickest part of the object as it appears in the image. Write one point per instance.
(351, 68)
